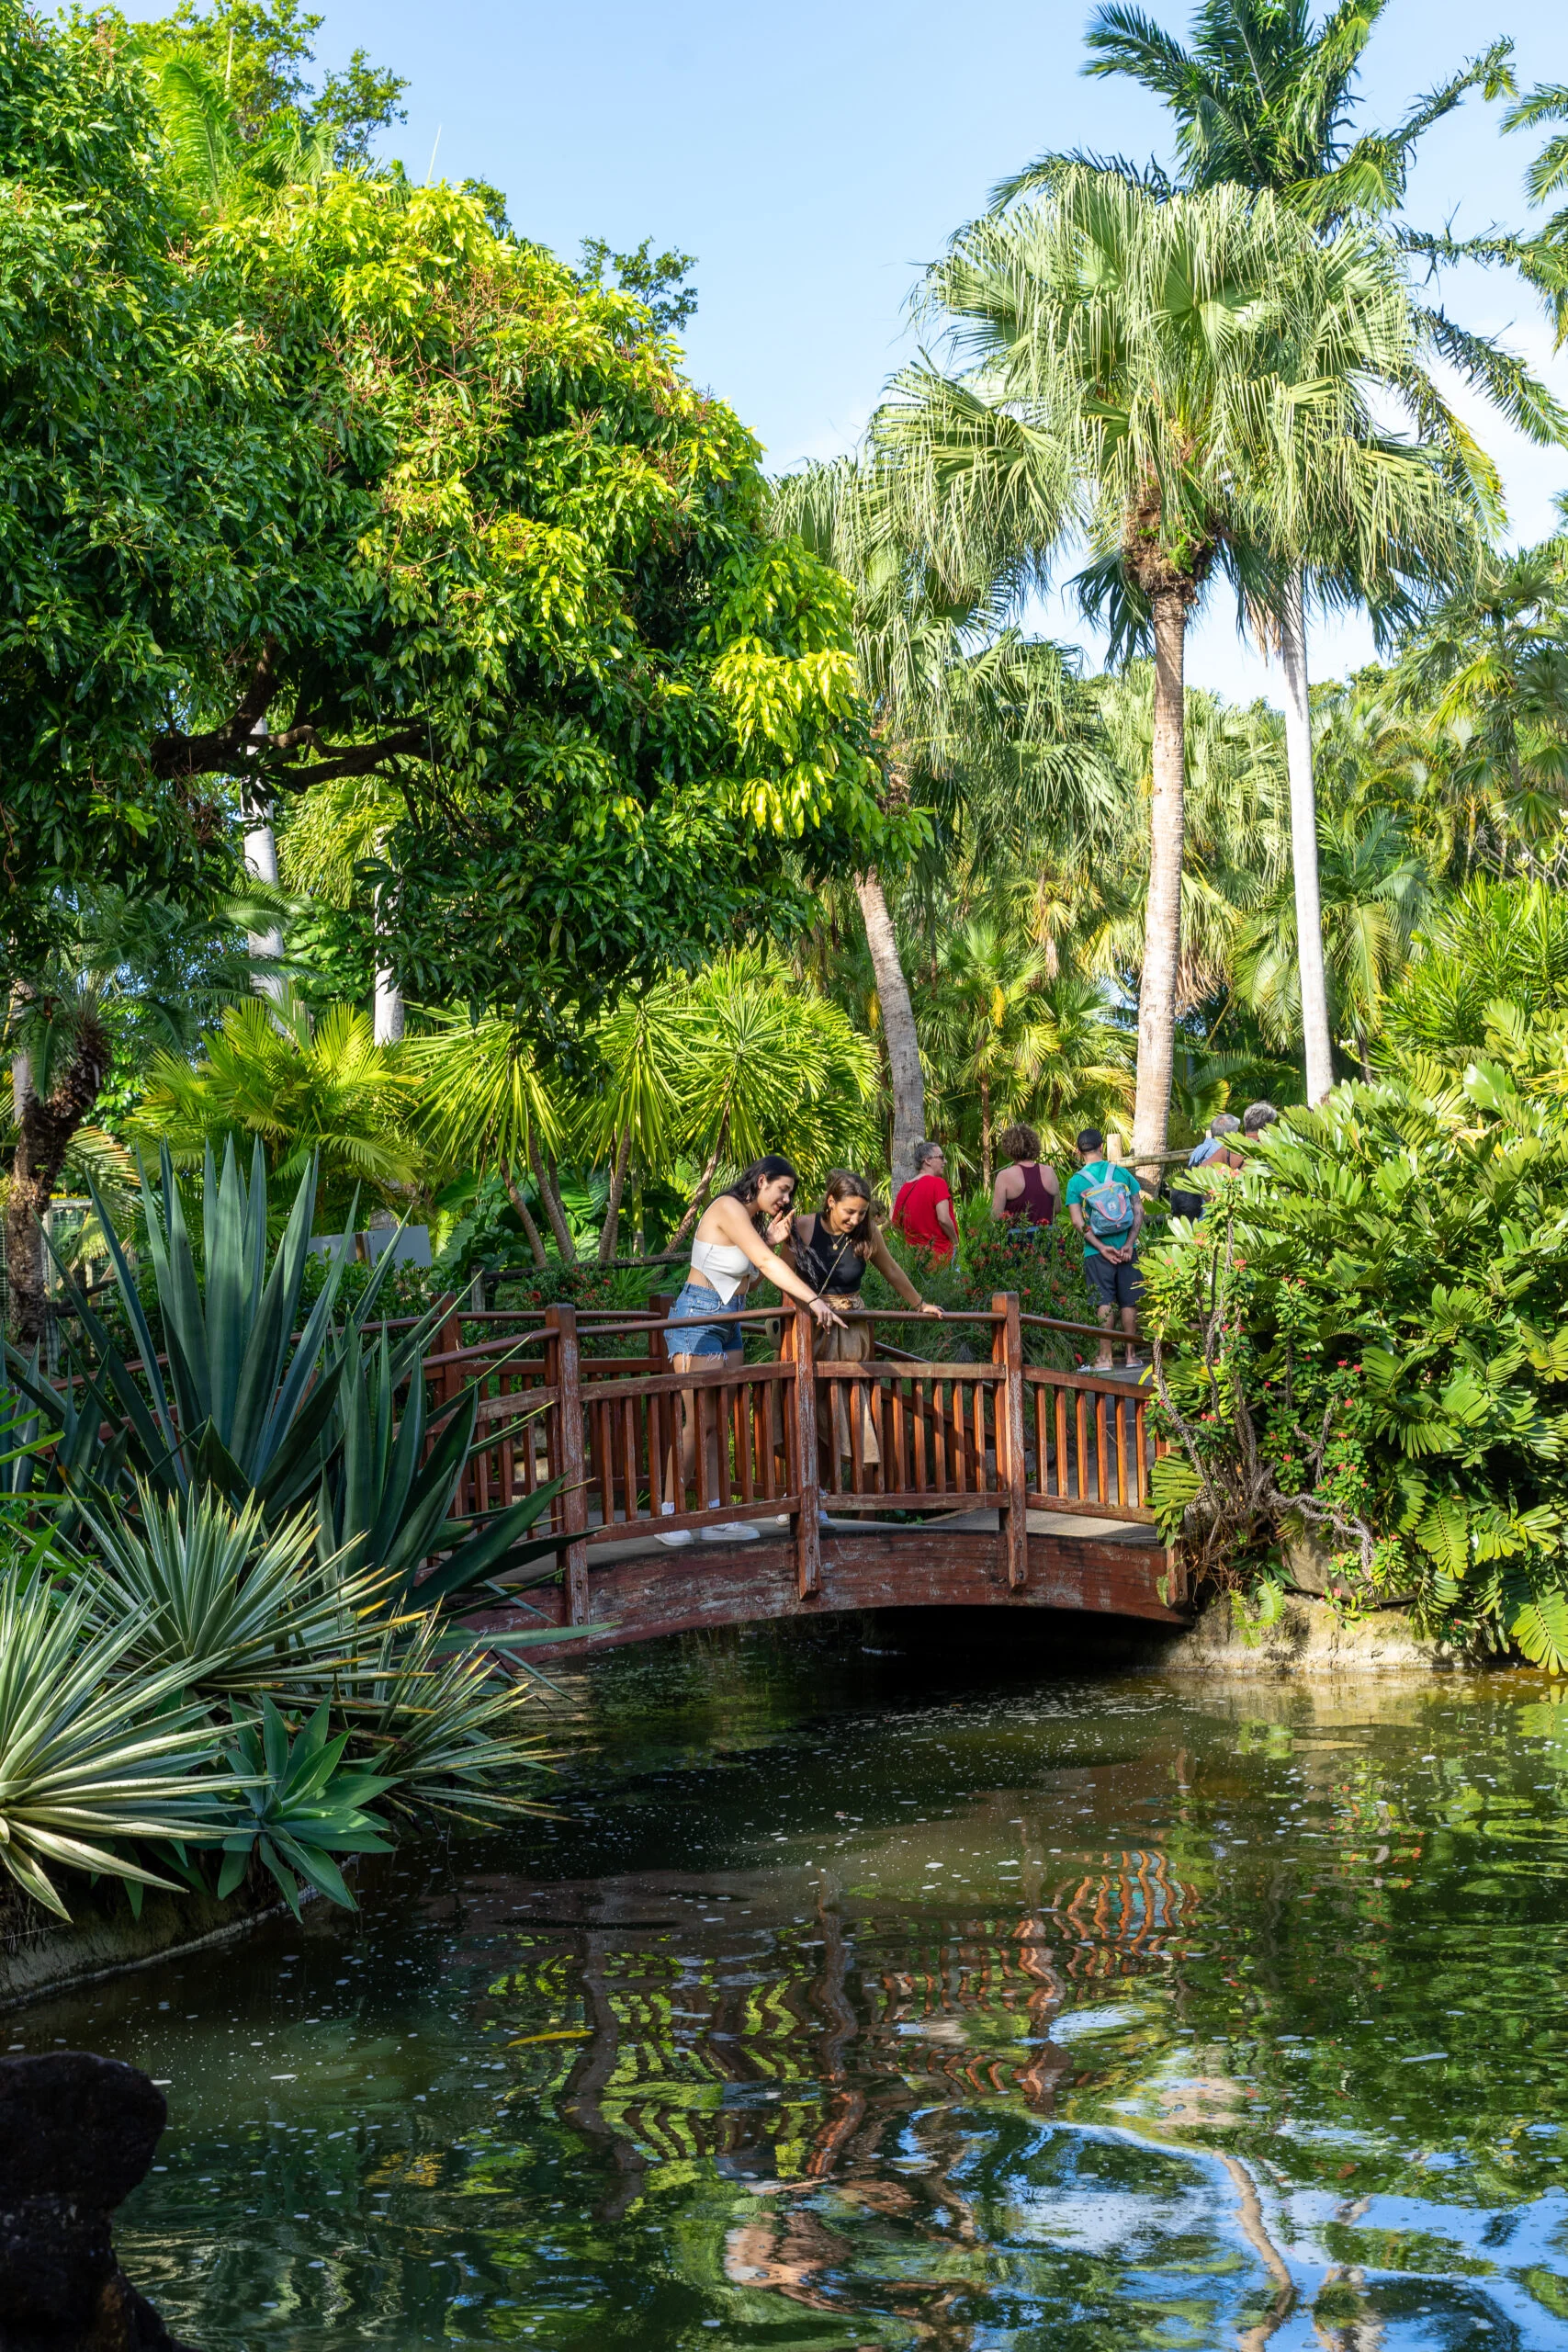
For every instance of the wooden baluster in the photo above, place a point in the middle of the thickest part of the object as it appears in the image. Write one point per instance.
(631, 1427)
(1061, 1487)
(663, 1418)
(1140, 1475)
(960, 1440)
(852, 1393)
(1007, 1348)
(445, 1384)
(745, 1439)
(938, 1435)
(562, 1321)
(1081, 1418)
(1102, 1483)
(897, 1440)
(721, 1400)
(808, 1525)
(1121, 1414)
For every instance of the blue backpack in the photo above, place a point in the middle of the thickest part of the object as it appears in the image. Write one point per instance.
(1109, 1210)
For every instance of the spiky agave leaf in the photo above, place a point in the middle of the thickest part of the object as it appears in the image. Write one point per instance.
(302, 1803)
(213, 1593)
(91, 1756)
(447, 1728)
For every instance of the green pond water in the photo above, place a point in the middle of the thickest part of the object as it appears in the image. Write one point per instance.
(859, 1999)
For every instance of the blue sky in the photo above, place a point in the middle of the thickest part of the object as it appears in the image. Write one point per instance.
(813, 158)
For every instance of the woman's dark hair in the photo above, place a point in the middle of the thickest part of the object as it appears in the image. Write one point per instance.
(1018, 1143)
(745, 1187)
(843, 1185)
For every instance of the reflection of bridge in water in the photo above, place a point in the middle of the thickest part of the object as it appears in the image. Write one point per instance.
(985, 1478)
(785, 2050)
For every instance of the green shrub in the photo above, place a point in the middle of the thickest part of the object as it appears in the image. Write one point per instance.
(1365, 1338)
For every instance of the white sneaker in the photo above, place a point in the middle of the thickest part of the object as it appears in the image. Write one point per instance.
(673, 1535)
(735, 1530)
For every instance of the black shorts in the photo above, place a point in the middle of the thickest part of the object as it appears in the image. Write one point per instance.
(1112, 1285)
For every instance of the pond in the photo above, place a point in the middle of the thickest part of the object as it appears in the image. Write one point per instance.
(863, 2000)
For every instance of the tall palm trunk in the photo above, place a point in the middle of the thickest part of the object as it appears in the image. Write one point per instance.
(985, 1132)
(906, 1079)
(1303, 843)
(1162, 918)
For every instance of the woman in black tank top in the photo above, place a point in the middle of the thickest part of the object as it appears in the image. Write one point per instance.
(831, 1249)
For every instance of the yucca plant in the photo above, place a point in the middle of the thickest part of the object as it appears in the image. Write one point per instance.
(211, 1592)
(94, 1759)
(244, 1397)
(302, 1802)
(446, 1727)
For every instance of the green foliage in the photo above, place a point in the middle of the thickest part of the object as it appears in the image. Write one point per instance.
(213, 1593)
(92, 1760)
(317, 1093)
(1361, 1337)
(303, 1803)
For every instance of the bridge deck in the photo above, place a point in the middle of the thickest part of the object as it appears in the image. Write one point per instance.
(894, 1481)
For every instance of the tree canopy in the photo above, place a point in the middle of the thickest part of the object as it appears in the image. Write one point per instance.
(347, 482)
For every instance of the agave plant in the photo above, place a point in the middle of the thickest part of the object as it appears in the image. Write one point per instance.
(302, 1805)
(446, 1727)
(241, 1398)
(93, 1759)
(211, 1592)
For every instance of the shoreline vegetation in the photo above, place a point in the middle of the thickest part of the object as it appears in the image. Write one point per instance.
(460, 807)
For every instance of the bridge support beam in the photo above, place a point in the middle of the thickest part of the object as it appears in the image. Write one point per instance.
(1006, 1350)
(808, 1527)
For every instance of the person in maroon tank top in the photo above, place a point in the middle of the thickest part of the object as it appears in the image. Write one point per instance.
(1026, 1195)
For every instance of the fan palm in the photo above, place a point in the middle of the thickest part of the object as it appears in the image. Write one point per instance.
(482, 1102)
(1375, 891)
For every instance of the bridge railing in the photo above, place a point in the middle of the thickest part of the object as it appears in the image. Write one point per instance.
(642, 1448)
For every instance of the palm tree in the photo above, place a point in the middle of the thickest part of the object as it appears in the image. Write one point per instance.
(1485, 680)
(322, 1094)
(1134, 364)
(1263, 100)
(483, 1101)
(968, 713)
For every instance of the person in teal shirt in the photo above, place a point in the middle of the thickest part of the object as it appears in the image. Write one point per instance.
(1105, 1201)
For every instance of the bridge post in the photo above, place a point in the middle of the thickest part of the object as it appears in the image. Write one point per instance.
(1012, 1476)
(561, 1321)
(809, 1528)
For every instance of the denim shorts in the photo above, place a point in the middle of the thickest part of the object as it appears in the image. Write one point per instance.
(700, 1338)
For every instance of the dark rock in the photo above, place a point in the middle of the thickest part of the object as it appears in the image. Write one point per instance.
(77, 2133)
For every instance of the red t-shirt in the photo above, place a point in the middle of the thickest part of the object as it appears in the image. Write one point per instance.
(914, 1214)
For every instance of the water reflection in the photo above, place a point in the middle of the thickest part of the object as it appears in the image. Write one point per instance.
(1083, 2017)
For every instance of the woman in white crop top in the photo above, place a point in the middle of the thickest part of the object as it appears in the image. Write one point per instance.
(729, 1252)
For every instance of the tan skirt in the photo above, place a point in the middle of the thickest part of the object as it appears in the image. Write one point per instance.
(845, 1343)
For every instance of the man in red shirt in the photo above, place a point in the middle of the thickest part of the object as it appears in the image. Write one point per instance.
(923, 1210)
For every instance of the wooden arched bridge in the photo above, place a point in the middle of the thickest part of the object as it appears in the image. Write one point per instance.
(983, 1478)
